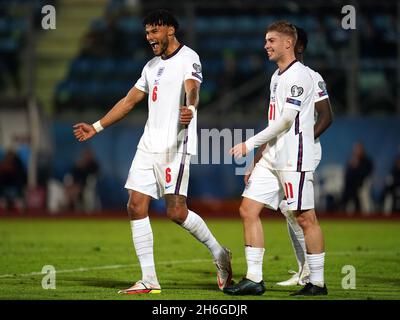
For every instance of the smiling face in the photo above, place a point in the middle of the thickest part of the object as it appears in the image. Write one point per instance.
(158, 38)
(277, 45)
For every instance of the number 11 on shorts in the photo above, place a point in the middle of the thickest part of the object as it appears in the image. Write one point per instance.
(288, 190)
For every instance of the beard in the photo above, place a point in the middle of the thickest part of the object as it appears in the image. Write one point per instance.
(163, 47)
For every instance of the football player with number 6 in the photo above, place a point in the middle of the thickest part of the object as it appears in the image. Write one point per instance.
(160, 167)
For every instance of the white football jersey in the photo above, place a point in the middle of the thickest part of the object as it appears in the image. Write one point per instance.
(292, 150)
(163, 79)
(320, 93)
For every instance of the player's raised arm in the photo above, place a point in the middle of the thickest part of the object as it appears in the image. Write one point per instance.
(192, 89)
(276, 128)
(84, 131)
(325, 117)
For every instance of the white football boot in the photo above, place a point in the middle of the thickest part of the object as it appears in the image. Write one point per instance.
(141, 286)
(224, 269)
(297, 278)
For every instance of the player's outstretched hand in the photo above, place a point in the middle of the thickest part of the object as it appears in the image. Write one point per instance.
(84, 131)
(240, 150)
(186, 115)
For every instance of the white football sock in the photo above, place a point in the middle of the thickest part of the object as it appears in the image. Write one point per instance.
(316, 263)
(296, 235)
(254, 258)
(198, 229)
(299, 245)
(142, 235)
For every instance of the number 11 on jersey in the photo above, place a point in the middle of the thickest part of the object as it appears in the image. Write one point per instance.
(271, 111)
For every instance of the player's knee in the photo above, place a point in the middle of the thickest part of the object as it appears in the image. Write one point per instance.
(245, 212)
(303, 223)
(306, 220)
(136, 210)
(177, 214)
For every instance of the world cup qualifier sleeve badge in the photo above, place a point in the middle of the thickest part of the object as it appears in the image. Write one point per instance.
(197, 71)
(197, 67)
(322, 86)
(296, 91)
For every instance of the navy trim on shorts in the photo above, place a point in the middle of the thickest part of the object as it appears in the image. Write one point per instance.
(301, 185)
(182, 165)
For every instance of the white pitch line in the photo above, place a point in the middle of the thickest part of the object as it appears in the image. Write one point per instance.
(121, 266)
(116, 266)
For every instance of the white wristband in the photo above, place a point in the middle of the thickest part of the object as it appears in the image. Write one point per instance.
(97, 126)
(192, 108)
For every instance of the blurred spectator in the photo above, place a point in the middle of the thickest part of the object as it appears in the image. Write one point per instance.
(93, 44)
(338, 37)
(390, 33)
(227, 80)
(318, 46)
(357, 184)
(369, 39)
(10, 71)
(391, 192)
(104, 40)
(13, 179)
(80, 183)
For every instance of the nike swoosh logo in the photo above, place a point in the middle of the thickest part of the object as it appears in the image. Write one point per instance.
(168, 186)
(289, 203)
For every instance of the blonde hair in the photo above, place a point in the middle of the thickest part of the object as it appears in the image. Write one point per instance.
(284, 27)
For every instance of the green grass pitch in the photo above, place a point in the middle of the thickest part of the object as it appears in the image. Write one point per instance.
(94, 258)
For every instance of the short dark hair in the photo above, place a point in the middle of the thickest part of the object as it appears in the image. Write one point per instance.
(302, 38)
(284, 27)
(160, 17)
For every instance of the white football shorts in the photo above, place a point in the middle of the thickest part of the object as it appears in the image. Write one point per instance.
(317, 154)
(271, 186)
(157, 174)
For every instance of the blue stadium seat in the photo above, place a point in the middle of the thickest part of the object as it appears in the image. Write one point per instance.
(202, 24)
(222, 24)
(8, 45)
(4, 25)
(244, 24)
(309, 23)
(129, 67)
(130, 25)
(79, 67)
(102, 67)
(212, 66)
(261, 23)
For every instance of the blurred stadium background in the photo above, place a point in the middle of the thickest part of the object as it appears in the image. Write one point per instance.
(51, 79)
